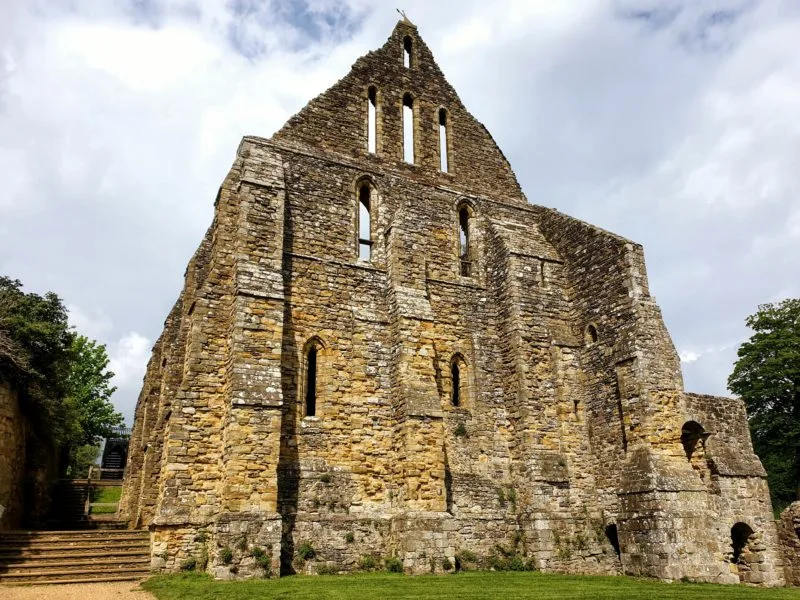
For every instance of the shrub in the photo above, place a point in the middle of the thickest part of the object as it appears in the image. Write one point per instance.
(306, 551)
(367, 562)
(325, 478)
(201, 537)
(503, 559)
(460, 430)
(466, 561)
(349, 537)
(394, 565)
(446, 564)
(189, 564)
(327, 569)
(226, 556)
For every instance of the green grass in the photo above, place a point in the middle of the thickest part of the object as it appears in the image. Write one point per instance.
(105, 495)
(462, 586)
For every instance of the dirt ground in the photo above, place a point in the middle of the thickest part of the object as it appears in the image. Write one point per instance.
(125, 590)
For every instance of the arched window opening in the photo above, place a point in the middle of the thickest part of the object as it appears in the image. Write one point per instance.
(591, 335)
(459, 388)
(443, 162)
(372, 120)
(364, 223)
(741, 535)
(311, 382)
(613, 537)
(455, 373)
(692, 435)
(407, 45)
(465, 252)
(408, 129)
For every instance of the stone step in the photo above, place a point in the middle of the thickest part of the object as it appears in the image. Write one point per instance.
(108, 564)
(62, 577)
(101, 535)
(26, 556)
(105, 545)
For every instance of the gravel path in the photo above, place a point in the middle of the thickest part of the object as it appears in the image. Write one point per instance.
(125, 590)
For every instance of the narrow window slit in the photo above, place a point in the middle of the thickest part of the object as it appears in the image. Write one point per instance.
(464, 243)
(364, 223)
(407, 52)
(443, 158)
(372, 118)
(311, 382)
(456, 375)
(408, 129)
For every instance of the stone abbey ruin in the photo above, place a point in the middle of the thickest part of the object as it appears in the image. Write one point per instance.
(383, 349)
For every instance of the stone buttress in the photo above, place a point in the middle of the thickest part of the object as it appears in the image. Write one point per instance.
(382, 356)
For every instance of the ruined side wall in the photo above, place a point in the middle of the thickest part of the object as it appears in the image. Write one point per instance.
(737, 487)
(789, 530)
(12, 451)
(634, 406)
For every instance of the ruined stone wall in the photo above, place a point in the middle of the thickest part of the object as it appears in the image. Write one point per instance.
(565, 448)
(789, 531)
(12, 451)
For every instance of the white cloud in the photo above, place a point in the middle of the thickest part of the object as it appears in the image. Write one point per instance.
(129, 358)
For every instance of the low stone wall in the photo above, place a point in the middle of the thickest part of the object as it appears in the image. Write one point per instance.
(12, 451)
(789, 533)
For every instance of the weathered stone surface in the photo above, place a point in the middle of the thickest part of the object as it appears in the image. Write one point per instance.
(789, 531)
(12, 458)
(567, 443)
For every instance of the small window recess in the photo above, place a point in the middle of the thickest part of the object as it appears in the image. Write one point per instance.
(372, 120)
(364, 222)
(408, 129)
(443, 156)
(591, 336)
(542, 274)
(407, 48)
(191, 309)
(464, 242)
(459, 385)
(311, 382)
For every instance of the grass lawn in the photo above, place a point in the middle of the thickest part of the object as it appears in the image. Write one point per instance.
(462, 586)
(105, 495)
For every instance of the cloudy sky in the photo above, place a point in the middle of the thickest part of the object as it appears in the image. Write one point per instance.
(676, 124)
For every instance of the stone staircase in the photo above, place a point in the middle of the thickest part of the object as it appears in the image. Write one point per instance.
(39, 557)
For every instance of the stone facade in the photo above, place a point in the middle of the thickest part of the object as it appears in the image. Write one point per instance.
(12, 458)
(494, 378)
(789, 531)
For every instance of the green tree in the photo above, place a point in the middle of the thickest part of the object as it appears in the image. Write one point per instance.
(62, 377)
(767, 377)
(89, 390)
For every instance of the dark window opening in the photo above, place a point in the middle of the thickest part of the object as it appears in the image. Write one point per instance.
(465, 255)
(407, 46)
(408, 129)
(613, 537)
(372, 120)
(591, 335)
(692, 433)
(740, 538)
(364, 223)
(443, 158)
(191, 309)
(311, 383)
(163, 362)
(456, 376)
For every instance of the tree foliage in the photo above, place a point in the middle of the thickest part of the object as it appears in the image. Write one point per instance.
(62, 377)
(767, 377)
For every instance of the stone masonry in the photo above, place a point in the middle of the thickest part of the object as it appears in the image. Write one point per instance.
(468, 375)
